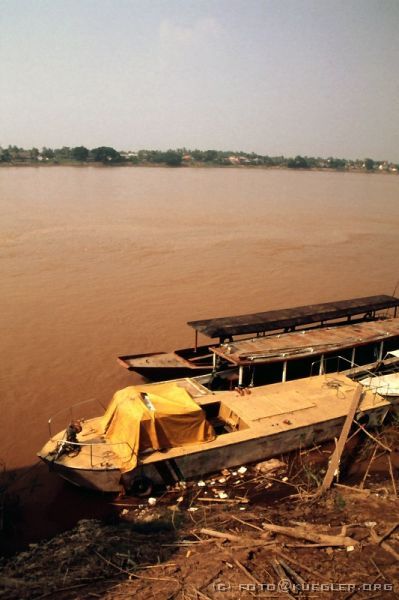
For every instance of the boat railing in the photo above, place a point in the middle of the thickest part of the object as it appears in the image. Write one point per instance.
(104, 454)
(321, 367)
(70, 412)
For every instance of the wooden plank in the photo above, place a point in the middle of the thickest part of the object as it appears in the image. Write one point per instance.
(336, 457)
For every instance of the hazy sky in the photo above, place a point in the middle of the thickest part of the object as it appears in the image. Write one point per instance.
(315, 77)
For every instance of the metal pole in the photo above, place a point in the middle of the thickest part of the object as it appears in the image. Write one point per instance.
(381, 350)
(353, 356)
(284, 377)
(214, 361)
(240, 376)
(196, 341)
(321, 368)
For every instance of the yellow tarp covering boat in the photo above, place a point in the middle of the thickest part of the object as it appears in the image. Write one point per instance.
(156, 416)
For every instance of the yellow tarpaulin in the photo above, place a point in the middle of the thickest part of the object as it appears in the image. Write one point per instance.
(155, 416)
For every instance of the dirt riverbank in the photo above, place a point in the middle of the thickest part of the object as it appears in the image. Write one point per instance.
(220, 538)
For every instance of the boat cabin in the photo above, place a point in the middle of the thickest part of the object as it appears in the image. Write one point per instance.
(297, 354)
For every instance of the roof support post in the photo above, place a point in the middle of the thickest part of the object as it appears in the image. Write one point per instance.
(353, 356)
(321, 368)
(240, 376)
(196, 341)
(214, 362)
(381, 350)
(284, 376)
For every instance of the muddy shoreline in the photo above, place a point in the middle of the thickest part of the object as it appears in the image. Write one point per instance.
(37, 504)
(162, 547)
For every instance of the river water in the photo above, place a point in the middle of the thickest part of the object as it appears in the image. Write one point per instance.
(97, 262)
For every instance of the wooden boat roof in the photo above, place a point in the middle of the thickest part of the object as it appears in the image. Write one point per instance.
(292, 317)
(306, 342)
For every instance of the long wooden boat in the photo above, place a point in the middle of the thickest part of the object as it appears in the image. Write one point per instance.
(142, 436)
(298, 354)
(302, 353)
(198, 360)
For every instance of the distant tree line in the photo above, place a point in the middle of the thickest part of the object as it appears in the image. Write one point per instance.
(183, 157)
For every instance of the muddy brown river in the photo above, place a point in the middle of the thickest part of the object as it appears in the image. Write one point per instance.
(97, 262)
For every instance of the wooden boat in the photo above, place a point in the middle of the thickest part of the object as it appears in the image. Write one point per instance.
(198, 360)
(298, 354)
(136, 439)
(302, 353)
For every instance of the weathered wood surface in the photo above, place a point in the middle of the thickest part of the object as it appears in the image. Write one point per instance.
(292, 317)
(307, 342)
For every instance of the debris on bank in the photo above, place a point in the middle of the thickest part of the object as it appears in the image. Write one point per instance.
(348, 536)
(237, 534)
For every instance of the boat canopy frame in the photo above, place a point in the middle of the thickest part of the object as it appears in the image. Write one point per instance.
(288, 319)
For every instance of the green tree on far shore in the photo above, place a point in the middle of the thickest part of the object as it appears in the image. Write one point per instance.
(80, 153)
(172, 158)
(5, 155)
(299, 162)
(369, 164)
(34, 153)
(47, 153)
(106, 155)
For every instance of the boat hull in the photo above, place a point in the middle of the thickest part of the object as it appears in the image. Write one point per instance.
(99, 480)
(168, 373)
(163, 366)
(211, 460)
(250, 451)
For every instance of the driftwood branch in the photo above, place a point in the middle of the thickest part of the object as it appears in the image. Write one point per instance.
(303, 533)
(225, 500)
(352, 488)
(388, 533)
(221, 535)
(246, 572)
(377, 540)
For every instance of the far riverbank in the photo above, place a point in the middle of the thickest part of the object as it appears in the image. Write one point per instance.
(183, 157)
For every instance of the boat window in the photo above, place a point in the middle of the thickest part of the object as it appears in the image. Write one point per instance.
(391, 344)
(367, 354)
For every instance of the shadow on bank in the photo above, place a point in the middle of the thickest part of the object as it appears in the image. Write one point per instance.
(37, 505)
(56, 538)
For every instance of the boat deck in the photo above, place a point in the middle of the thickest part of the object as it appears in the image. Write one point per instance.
(279, 408)
(95, 454)
(168, 360)
(300, 344)
(160, 359)
(266, 411)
